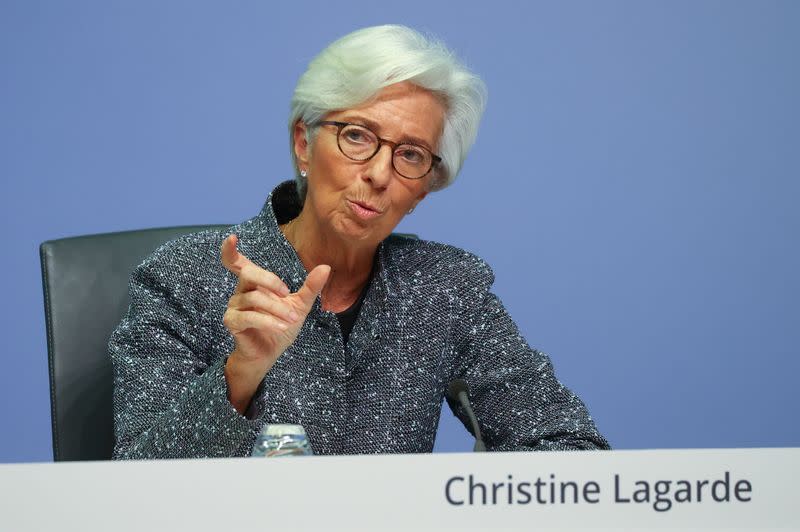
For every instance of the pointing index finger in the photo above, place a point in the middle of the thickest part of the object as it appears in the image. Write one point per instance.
(231, 258)
(250, 274)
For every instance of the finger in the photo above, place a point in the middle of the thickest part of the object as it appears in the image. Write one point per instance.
(239, 265)
(314, 284)
(252, 277)
(265, 303)
(237, 321)
(231, 258)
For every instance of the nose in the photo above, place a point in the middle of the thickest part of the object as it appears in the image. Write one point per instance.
(379, 170)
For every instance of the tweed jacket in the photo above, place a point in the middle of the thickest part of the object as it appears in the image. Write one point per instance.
(428, 317)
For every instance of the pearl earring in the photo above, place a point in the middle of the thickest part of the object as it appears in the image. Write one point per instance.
(410, 210)
(303, 173)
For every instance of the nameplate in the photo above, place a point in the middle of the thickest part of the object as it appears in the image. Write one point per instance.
(741, 489)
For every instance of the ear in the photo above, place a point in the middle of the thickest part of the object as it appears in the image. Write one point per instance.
(301, 144)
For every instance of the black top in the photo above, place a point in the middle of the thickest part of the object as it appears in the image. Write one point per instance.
(347, 318)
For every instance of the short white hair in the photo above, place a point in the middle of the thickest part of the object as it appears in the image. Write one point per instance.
(354, 68)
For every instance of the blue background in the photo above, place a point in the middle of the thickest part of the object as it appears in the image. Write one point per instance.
(634, 183)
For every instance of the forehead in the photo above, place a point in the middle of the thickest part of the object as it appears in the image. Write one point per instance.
(401, 112)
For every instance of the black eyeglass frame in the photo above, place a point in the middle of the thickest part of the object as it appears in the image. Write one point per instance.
(435, 159)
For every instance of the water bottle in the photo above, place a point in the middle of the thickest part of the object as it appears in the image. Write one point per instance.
(282, 440)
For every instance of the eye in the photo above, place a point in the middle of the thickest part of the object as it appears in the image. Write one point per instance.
(357, 135)
(410, 154)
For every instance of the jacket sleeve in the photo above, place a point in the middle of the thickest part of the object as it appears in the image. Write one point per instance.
(170, 393)
(519, 403)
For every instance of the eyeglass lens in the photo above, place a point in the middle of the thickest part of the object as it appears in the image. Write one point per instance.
(359, 143)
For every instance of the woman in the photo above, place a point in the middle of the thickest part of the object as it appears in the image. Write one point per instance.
(314, 313)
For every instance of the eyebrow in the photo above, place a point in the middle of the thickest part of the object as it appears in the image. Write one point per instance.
(371, 124)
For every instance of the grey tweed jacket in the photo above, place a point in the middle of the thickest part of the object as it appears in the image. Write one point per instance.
(428, 317)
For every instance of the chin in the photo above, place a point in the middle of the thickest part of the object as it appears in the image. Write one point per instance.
(356, 232)
(352, 230)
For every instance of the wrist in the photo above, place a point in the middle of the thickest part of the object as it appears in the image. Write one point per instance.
(243, 378)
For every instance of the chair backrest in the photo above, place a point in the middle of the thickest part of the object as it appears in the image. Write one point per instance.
(85, 283)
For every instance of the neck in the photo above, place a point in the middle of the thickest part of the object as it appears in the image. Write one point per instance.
(350, 262)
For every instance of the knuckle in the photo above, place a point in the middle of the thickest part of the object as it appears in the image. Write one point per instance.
(240, 285)
(239, 300)
(256, 299)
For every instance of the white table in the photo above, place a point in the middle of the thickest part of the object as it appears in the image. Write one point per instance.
(412, 492)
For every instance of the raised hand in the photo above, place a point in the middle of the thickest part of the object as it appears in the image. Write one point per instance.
(264, 318)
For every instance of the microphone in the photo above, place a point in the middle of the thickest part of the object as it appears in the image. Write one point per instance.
(458, 392)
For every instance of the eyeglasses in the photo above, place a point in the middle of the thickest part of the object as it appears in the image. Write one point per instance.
(359, 143)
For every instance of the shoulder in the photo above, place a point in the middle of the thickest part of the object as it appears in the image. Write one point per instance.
(186, 268)
(188, 251)
(426, 262)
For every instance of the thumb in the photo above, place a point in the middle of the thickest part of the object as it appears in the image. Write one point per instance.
(314, 284)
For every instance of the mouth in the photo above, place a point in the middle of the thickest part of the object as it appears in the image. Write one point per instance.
(363, 210)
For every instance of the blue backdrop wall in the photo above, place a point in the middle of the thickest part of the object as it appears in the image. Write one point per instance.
(634, 184)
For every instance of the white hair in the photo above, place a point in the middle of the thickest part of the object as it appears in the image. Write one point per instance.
(352, 70)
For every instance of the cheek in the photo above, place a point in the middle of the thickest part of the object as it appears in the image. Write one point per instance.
(411, 192)
(325, 161)
(339, 176)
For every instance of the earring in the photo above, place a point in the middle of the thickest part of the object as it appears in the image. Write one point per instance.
(303, 173)
(410, 210)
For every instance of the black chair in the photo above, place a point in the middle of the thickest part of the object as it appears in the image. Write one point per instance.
(85, 283)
